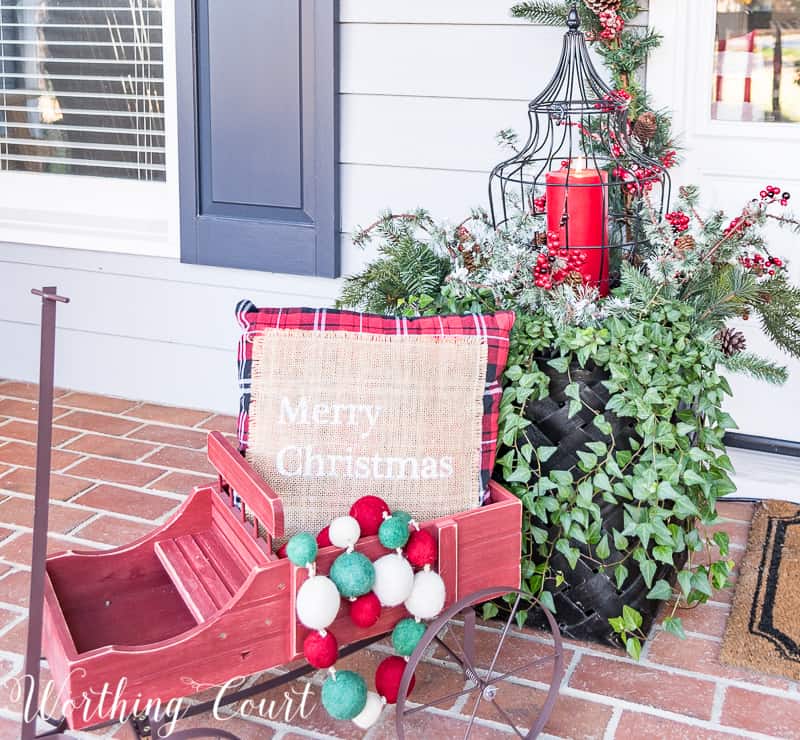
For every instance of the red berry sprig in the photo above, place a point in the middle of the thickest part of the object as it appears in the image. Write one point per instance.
(669, 158)
(612, 24)
(539, 204)
(555, 264)
(678, 220)
(770, 194)
(762, 265)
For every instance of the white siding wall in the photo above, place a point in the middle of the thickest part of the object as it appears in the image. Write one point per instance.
(425, 86)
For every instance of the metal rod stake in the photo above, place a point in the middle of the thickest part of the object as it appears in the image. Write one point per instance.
(44, 440)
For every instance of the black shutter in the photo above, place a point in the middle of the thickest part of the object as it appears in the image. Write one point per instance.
(257, 134)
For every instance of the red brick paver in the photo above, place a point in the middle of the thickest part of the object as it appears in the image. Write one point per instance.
(117, 459)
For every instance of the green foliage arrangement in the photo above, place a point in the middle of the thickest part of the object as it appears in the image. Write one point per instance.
(663, 340)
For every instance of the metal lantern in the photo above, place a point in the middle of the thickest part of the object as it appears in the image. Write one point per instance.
(580, 166)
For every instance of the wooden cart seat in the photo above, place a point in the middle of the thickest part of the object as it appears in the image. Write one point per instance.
(205, 570)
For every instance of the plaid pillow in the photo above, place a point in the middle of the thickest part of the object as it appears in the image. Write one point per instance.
(495, 328)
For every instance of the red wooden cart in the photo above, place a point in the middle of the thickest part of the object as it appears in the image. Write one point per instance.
(203, 599)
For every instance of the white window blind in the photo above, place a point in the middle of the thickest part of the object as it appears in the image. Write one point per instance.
(82, 88)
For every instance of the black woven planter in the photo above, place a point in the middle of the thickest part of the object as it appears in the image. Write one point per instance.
(587, 598)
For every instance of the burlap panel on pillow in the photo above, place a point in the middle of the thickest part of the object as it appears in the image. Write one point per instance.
(337, 415)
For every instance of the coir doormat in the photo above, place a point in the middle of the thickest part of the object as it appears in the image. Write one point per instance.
(763, 631)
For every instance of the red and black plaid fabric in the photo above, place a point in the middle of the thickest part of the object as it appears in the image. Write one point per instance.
(495, 328)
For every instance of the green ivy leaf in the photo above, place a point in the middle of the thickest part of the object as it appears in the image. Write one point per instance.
(674, 625)
(490, 610)
(602, 424)
(663, 554)
(545, 453)
(521, 474)
(599, 448)
(633, 620)
(603, 550)
(661, 591)
(648, 569)
(559, 364)
(633, 647)
(572, 554)
(546, 600)
(620, 575)
(573, 391)
(574, 408)
(723, 541)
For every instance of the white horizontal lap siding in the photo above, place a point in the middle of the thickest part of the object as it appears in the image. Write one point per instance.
(425, 88)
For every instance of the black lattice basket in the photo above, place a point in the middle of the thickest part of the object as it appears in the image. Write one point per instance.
(588, 597)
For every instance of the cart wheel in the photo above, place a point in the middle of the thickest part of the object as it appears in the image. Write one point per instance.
(489, 690)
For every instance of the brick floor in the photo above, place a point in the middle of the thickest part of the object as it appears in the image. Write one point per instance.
(123, 468)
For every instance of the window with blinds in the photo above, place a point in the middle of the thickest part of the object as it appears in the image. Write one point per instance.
(82, 88)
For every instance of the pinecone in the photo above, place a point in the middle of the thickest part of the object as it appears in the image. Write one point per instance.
(732, 341)
(600, 6)
(645, 127)
(684, 244)
(540, 240)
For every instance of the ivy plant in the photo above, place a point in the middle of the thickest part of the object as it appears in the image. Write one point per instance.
(667, 476)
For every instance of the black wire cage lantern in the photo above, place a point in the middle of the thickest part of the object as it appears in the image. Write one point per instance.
(580, 169)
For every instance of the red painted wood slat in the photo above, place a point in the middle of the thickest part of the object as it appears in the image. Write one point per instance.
(262, 501)
(186, 580)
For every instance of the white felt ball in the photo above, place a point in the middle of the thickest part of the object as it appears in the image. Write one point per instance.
(318, 602)
(344, 531)
(370, 713)
(393, 579)
(427, 595)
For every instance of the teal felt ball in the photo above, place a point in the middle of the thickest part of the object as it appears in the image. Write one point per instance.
(406, 636)
(393, 532)
(302, 549)
(344, 695)
(404, 515)
(353, 574)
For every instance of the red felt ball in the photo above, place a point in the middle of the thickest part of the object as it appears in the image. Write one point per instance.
(388, 677)
(319, 651)
(365, 610)
(282, 550)
(368, 512)
(421, 549)
(323, 538)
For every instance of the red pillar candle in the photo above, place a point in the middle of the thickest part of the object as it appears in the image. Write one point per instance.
(581, 195)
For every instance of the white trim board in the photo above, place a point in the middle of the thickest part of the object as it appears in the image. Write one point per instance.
(764, 476)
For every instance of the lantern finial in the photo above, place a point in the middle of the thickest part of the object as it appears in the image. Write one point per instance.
(573, 19)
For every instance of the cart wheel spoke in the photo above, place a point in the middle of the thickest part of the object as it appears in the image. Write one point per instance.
(503, 634)
(463, 660)
(532, 664)
(474, 713)
(441, 699)
(507, 718)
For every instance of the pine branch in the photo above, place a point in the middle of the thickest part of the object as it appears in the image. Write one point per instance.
(543, 12)
(747, 363)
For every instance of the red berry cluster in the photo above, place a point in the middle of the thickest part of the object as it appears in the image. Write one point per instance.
(615, 96)
(740, 223)
(539, 204)
(762, 265)
(679, 221)
(770, 194)
(612, 24)
(554, 264)
(640, 179)
(669, 158)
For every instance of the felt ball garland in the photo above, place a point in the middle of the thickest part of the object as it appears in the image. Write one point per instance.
(389, 581)
(365, 610)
